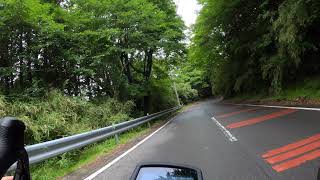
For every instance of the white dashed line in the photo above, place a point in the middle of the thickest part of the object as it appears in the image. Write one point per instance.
(224, 130)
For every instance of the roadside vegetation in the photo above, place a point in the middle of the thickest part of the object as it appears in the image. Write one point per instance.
(267, 48)
(56, 116)
(72, 66)
(304, 92)
(61, 166)
(68, 67)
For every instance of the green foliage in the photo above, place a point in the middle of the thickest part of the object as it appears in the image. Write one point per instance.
(186, 93)
(86, 48)
(162, 94)
(98, 59)
(57, 116)
(303, 90)
(249, 46)
(3, 105)
(192, 78)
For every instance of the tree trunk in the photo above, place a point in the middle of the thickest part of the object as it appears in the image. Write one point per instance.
(147, 74)
(126, 66)
(77, 90)
(4, 62)
(21, 64)
(88, 82)
(147, 103)
(29, 64)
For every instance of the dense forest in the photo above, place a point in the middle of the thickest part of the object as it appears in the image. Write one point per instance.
(88, 48)
(68, 66)
(256, 46)
(67, 61)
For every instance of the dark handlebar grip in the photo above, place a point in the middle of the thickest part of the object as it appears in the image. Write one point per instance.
(11, 142)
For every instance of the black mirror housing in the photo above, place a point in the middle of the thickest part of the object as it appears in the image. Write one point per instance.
(163, 171)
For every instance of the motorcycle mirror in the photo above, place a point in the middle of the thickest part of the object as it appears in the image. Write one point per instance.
(166, 172)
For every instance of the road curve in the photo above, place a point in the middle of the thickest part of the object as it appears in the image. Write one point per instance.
(271, 143)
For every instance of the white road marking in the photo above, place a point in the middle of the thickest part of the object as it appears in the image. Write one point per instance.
(225, 131)
(92, 176)
(280, 107)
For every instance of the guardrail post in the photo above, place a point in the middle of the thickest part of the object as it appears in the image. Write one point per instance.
(149, 125)
(116, 136)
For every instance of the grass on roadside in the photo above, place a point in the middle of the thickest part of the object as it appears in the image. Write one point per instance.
(69, 162)
(306, 89)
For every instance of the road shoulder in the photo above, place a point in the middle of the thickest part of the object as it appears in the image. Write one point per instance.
(103, 159)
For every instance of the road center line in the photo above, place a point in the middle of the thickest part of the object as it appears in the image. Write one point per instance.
(224, 130)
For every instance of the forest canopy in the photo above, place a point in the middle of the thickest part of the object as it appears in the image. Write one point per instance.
(122, 49)
(256, 46)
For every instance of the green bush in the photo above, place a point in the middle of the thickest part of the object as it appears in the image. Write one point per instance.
(162, 94)
(186, 93)
(2, 106)
(57, 115)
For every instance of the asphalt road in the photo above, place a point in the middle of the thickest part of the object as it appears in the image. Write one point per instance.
(194, 138)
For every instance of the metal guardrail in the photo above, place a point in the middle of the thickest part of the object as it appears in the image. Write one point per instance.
(43, 151)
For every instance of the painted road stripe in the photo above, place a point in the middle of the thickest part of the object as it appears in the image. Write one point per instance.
(260, 119)
(225, 131)
(92, 176)
(279, 107)
(237, 112)
(291, 146)
(297, 161)
(293, 153)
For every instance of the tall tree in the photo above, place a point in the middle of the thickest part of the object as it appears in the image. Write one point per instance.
(86, 48)
(253, 46)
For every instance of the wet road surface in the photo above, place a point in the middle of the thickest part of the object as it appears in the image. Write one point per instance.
(269, 143)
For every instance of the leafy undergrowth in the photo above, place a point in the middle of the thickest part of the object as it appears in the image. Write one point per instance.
(56, 115)
(69, 162)
(306, 91)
